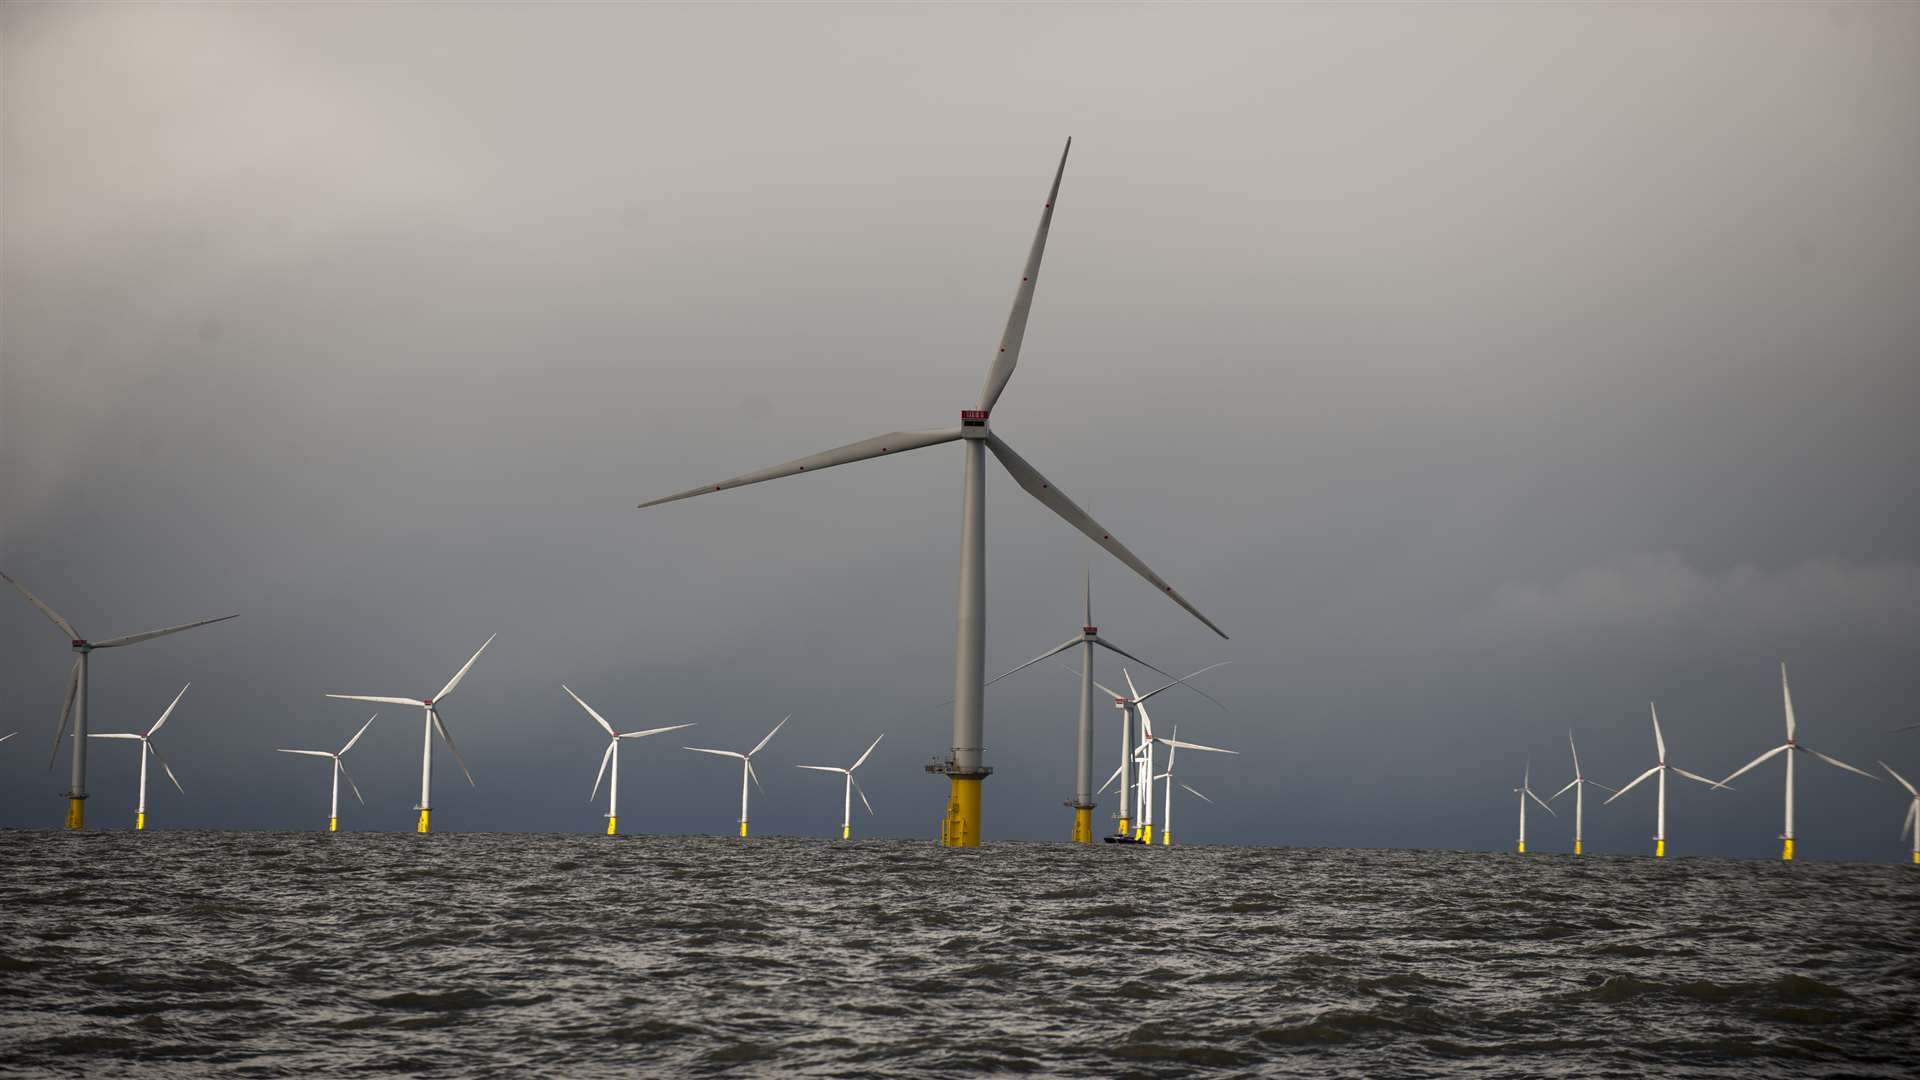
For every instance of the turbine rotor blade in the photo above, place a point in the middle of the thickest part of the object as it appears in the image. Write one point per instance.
(1903, 780)
(1913, 810)
(597, 718)
(462, 673)
(722, 753)
(1111, 647)
(1786, 698)
(342, 766)
(762, 744)
(308, 753)
(890, 443)
(860, 791)
(1196, 794)
(1659, 743)
(1838, 764)
(72, 634)
(1182, 681)
(1529, 794)
(754, 776)
(157, 724)
(823, 768)
(605, 757)
(1633, 784)
(1193, 746)
(1116, 775)
(415, 702)
(168, 769)
(1702, 779)
(66, 711)
(863, 757)
(1008, 357)
(1055, 651)
(357, 734)
(132, 639)
(652, 731)
(441, 726)
(1756, 761)
(1054, 499)
(1571, 784)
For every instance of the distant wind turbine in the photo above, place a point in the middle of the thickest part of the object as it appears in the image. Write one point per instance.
(1912, 824)
(746, 765)
(1126, 705)
(1084, 641)
(852, 785)
(339, 770)
(76, 698)
(1578, 786)
(1788, 748)
(145, 739)
(433, 722)
(965, 768)
(1661, 767)
(1144, 753)
(612, 755)
(1166, 816)
(1525, 791)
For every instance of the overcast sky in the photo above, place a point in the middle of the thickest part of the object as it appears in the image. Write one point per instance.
(1484, 370)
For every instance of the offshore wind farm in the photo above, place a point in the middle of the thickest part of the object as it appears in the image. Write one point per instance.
(1485, 401)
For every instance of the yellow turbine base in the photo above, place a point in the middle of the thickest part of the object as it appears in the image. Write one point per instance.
(426, 819)
(613, 825)
(76, 813)
(961, 825)
(1146, 833)
(140, 821)
(1786, 853)
(1083, 824)
(1522, 849)
(333, 824)
(1576, 847)
(1916, 858)
(846, 832)
(1123, 827)
(1659, 849)
(1166, 838)
(743, 829)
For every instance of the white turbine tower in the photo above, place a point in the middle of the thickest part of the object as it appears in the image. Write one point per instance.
(1912, 824)
(1661, 767)
(433, 722)
(1166, 817)
(846, 799)
(1788, 748)
(1525, 791)
(746, 765)
(1145, 755)
(339, 770)
(612, 754)
(965, 768)
(1578, 786)
(147, 749)
(76, 698)
(1125, 704)
(1089, 636)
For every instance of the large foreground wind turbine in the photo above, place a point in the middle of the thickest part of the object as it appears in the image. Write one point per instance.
(746, 765)
(1661, 767)
(1525, 791)
(612, 754)
(964, 768)
(339, 770)
(846, 797)
(433, 722)
(1912, 824)
(1088, 637)
(1788, 748)
(76, 699)
(1578, 786)
(147, 749)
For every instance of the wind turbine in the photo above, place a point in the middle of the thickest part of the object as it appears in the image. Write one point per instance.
(1525, 791)
(433, 722)
(746, 766)
(1166, 820)
(1786, 696)
(965, 768)
(1145, 754)
(146, 748)
(339, 770)
(613, 754)
(846, 801)
(1129, 749)
(1089, 636)
(1661, 767)
(76, 698)
(1912, 824)
(1578, 786)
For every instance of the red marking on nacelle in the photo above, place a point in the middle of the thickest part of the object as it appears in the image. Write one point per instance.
(428, 703)
(79, 643)
(1089, 629)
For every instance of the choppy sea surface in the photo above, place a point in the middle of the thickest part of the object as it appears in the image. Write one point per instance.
(260, 954)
